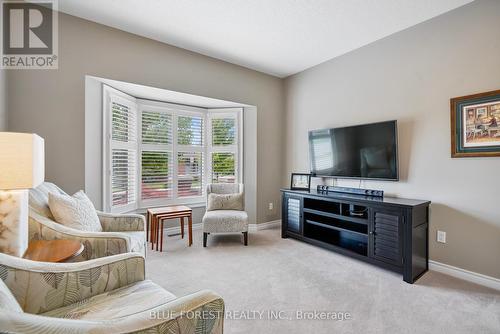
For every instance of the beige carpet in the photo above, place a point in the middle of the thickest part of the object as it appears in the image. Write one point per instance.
(274, 274)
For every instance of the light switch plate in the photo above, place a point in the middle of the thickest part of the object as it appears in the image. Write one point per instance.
(271, 206)
(441, 237)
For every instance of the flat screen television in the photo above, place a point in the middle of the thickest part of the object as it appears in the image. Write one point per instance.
(368, 151)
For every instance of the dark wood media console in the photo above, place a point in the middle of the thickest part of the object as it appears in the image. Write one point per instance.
(389, 232)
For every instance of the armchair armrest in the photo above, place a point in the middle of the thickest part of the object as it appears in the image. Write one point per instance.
(40, 286)
(17, 322)
(97, 244)
(201, 312)
(121, 222)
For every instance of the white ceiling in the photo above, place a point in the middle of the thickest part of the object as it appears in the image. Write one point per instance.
(278, 37)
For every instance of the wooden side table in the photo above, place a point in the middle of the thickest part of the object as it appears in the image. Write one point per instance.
(53, 250)
(155, 217)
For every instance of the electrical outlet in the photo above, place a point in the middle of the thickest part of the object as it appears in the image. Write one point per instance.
(271, 206)
(441, 237)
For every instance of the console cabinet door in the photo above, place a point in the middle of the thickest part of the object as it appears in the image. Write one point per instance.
(386, 235)
(292, 213)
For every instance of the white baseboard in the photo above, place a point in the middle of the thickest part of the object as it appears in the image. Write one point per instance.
(466, 275)
(264, 226)
(251, 227)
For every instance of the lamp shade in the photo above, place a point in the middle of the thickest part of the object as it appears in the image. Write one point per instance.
(22, 160)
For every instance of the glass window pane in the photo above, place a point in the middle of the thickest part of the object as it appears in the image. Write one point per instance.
(223, 168)
(190, 130)
(223, 131)
(122, 123)
(156, 128)
(156, 175)
(122, 176)
(190, 172)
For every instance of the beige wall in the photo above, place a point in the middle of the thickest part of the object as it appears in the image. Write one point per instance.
(52, 102)
(3, 100)
(410, 76)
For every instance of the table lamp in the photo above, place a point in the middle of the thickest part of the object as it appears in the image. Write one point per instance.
(21, 168)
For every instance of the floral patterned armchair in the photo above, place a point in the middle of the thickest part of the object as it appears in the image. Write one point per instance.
(121, 233)
(105, 295)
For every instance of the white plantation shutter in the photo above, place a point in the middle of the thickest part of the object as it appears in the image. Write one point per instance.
(123, 120)
(156, 127)
(190, 174)
(190, 131)
(123, 172)
(156, 176)
(156, 155)
(224, 131)
(190, 155)
(223, 167)
(224, 143)
(120, 175)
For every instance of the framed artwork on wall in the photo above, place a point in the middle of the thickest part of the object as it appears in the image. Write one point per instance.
(475, 125)
(300, 181)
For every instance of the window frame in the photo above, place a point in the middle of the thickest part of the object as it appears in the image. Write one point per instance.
(206, 149)
(110, 94)
(149, 147)
(236, 149)
(175, 110)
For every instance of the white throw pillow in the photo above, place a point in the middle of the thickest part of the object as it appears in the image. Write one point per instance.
(75, 211)
(225, 202)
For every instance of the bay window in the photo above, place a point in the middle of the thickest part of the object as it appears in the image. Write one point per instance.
(158, 153)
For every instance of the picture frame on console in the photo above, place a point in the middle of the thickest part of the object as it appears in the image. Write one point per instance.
(300, 181)
(475, 125)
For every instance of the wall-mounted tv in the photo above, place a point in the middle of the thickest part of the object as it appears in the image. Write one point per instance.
(368, 151)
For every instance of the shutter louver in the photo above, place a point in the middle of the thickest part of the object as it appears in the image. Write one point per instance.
(190, 131)
(123, 122)
(190, 174)
(122, 177)
(223, 147)
(156, 156)
(156, 128)
(223, 168)
(163, 154)
(122, 163)
(156, 175)
(223, 131)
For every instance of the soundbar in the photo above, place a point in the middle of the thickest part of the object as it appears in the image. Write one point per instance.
(355, 191)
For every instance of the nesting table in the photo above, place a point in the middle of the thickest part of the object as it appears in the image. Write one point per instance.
(155, 218)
